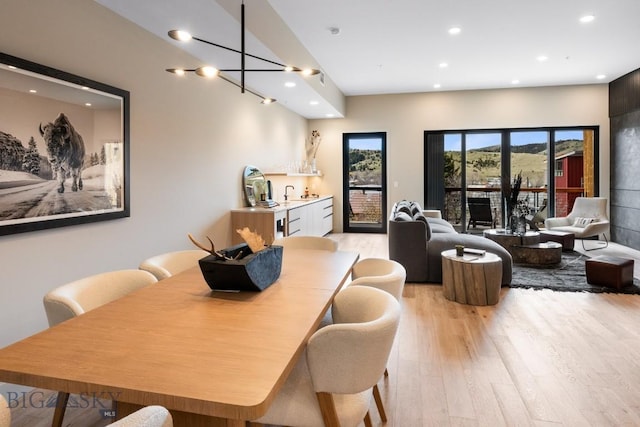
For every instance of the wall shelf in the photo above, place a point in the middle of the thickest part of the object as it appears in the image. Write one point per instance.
(292, 174)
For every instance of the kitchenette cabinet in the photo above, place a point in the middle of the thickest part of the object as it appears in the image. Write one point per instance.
(300, 217)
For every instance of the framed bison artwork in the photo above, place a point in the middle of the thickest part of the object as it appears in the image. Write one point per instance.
(64, 148)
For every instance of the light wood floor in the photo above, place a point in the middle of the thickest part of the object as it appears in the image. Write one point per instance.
(537, 358)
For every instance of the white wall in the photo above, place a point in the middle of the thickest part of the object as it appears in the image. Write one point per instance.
(190, 140)
(405, 117)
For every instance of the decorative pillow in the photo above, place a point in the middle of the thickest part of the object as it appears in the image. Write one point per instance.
(582, 222)
(402, 216)
(404, 209)
(420, 217)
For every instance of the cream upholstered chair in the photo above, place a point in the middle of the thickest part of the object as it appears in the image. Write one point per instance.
(78, 297)
(5, 413)
(380, 273)
(331, 383)
(389, 276)
(150, 416)
(588, 218)
(170, 263)
(307, 242)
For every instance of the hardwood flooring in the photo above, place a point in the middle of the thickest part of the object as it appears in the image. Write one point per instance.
(537, 358)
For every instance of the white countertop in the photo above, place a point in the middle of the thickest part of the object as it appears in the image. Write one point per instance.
(282, 205)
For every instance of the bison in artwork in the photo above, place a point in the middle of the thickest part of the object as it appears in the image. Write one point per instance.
(65, 148)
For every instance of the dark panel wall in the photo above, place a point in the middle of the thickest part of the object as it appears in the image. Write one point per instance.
(624, 111)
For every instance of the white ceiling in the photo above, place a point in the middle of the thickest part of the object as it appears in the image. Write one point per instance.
(397, 46)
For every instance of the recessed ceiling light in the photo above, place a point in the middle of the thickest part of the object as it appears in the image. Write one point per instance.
(88, 104)
(587, 18)
(313, 102)
(290, 84)
(542, 58)
(33, 91)
(443, 65)
(436, 86)
(601, 76)
(515, 81)
(454, 30)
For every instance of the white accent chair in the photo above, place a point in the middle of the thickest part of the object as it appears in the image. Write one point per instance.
(5, 413)
(150, 416)
(78, 297)
(171, 263)
(389, 276)
(307, 242)
(588, 218)
(331, 383)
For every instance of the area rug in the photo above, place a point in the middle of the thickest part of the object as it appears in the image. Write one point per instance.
(568, 276)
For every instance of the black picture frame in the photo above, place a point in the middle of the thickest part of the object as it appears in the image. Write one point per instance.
(66, 125)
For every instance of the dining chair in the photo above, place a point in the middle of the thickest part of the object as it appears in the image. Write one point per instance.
(5, 413)
(380, 273)
(170, 263)
(78, 297)
(332, 381)
(389, 276)
(149, 416)
(307, 242)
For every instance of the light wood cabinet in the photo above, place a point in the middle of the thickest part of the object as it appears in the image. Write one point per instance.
(306, 218)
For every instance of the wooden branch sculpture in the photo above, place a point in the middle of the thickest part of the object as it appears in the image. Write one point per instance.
(254, 240)
(212, 251)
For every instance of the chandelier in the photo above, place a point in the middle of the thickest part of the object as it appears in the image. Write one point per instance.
(212, 72)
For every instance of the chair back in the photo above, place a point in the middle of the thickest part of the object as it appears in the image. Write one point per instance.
(78, 297)
(149, 416)
(350, 355)
(380, 273)
(5, 413)
(480, 211)
(307, 242)
(589, 207)
(171, 263)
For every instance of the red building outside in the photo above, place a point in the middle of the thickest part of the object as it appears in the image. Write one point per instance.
(569, 181)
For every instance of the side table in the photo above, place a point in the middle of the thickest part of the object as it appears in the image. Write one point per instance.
(471, 279)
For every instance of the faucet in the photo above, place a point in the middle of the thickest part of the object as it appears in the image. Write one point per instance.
(285, 191)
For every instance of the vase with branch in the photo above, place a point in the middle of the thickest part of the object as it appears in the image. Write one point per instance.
(312, 149)
(510, 193)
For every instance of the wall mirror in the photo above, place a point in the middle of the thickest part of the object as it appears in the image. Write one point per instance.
(255, 185)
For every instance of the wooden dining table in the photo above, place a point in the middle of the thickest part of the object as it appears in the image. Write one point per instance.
(212, 358)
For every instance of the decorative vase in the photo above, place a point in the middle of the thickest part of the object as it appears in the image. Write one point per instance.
(314, 169)
(245, 271)
(522, 225)
(513, 224)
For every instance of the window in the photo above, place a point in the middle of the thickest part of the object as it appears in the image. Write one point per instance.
(556, 164)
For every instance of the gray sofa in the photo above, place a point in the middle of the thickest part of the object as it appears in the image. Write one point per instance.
(416, 242)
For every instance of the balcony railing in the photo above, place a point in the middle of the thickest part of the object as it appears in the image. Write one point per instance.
(534, 196)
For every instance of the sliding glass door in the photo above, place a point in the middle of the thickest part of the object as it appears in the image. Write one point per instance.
(462, 167)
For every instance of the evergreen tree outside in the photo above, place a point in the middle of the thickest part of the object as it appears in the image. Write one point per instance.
(103, 156)
(31, 162)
